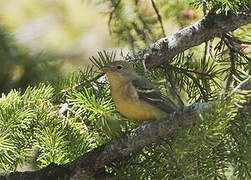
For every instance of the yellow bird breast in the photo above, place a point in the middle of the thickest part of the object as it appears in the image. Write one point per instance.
(138, 110)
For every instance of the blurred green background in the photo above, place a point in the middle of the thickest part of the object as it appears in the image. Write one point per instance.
(71, 31)
(40, 40)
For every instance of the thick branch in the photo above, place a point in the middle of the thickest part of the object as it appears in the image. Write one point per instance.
(207, 28)
(91, 162)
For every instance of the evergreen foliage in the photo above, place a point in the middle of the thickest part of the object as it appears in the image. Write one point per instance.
(223, 6)
(60, 120)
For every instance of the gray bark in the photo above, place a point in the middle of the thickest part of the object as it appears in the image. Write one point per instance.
(209, 27)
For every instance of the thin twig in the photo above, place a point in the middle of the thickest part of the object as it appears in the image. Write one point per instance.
(132, 43)
(174, 90)
(232, 60)
(205, 51)
(173, 158)
(235, 39)
(81, 83)
(111, 14)
(193, 71)
(211, 50)
(204, 7)
(159, 17)
(144, 63)
(231, 47)
(238, 87)
(195, 80)
(147, 28)
(232, 69)
(141, 33)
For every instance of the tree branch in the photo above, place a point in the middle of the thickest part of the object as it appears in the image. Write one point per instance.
(204, 30)
(91, 162)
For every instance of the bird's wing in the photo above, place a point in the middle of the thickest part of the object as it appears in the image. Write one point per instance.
(147, 92)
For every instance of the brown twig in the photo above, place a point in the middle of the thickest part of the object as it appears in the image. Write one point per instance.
(211, 50)
(174, 90)
(194, 79)
(231, 47)
(132, 43)
(173, 158)
(140, 33)
(232, 69)
(159, 17)
(205, 51)
(81, 83)
(235, 39)
(147, 28)
(193, 71)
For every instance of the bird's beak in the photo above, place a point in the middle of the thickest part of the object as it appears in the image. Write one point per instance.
(106, 69)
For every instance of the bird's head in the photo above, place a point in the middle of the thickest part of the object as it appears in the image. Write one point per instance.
(118, 72)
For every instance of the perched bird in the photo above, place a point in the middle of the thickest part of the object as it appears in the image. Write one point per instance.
(134, 96)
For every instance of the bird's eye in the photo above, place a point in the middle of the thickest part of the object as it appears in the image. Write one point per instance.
(119, 67)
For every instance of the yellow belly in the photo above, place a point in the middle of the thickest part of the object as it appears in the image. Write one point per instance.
(138, 110)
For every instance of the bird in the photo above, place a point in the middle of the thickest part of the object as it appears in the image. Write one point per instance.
(134, 96)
